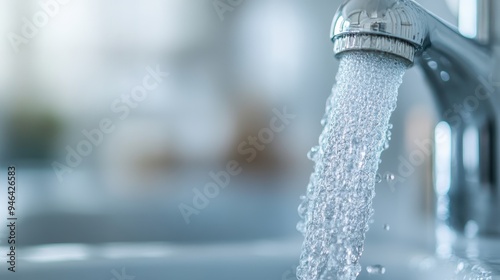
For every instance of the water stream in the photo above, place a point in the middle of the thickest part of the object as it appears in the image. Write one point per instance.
(337, 207)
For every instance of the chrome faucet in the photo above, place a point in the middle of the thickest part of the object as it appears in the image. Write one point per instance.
(463, 73)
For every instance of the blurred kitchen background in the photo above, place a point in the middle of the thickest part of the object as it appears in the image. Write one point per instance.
(226, 77)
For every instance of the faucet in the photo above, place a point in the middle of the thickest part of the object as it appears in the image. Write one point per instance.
(459, 70)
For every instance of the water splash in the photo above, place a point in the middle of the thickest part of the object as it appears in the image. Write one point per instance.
(337, 207)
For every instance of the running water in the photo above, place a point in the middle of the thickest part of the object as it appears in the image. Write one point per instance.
(337, 208)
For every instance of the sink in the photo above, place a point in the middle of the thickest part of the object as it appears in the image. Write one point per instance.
(249, 260)
(254, 243)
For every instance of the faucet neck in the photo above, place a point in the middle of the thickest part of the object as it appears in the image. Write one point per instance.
(475, 19)
(495, 22)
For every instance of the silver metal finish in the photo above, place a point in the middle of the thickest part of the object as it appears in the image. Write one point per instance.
(372, 42)
(398, 25)
(483, 18)
(461, 71)
(494, 23)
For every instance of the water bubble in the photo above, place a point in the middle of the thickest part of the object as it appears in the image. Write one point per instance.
(311, 194)
(387, 227)
(324, 120)
(389, 177)
(323, 140)
(388, 138)
(386, 145)
(302, 209)
(375, 269)
(301, 227)
(378, 178)
(312, 154)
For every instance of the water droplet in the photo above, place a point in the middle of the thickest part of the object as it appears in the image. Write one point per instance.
(375, 269)
(386, 145)
(310, 192)
(301, 227)
(387, 227)
(313, 153)
(378, 178)
(433, 64)
(302, 209)
(389, 177)
(324, 120)
(444, 76)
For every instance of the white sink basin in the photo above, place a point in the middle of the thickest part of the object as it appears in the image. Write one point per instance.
(252, 260)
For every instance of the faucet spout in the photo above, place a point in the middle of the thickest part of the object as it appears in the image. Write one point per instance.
(459, 70)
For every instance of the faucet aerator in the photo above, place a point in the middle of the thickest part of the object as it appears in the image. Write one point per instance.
(390, 26)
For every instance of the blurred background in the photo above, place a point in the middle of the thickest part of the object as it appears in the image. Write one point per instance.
(228, 71)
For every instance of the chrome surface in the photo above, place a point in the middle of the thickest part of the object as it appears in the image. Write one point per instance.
(483, 28)
(374, 42)
(461, 71)
(495, 23)
(387, 18)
